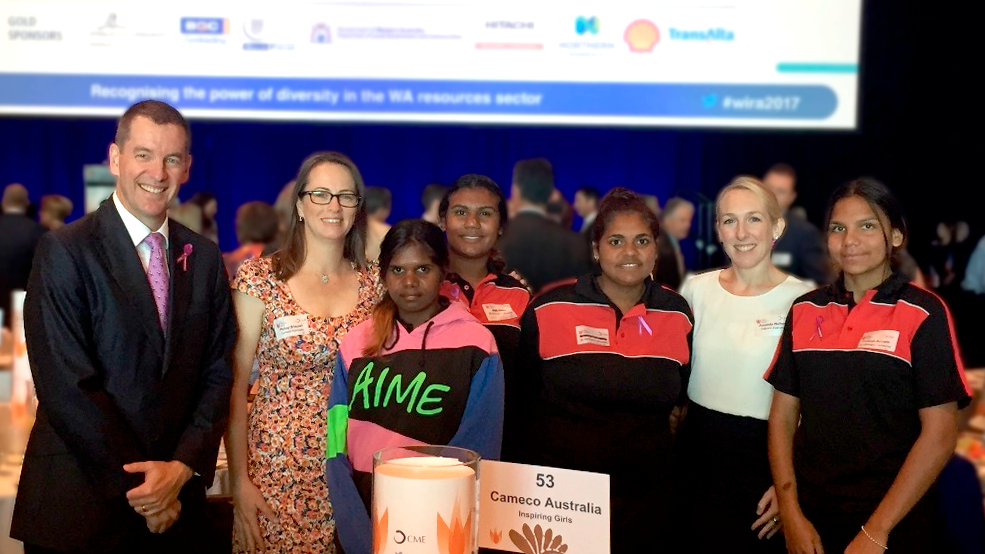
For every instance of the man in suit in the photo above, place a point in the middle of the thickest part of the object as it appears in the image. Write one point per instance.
(800, 249)
(129, 330)
(540, 249)
(675, 226)
(19, 236)
(587, 206)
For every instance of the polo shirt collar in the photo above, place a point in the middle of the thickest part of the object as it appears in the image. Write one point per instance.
(887, 292)
(588, 287)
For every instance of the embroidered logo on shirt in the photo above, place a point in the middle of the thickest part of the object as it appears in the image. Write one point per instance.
(591, 335)
(880, 340)
(498, 312)
(290, 326)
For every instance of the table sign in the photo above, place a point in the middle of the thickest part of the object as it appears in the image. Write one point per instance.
(424, 500)
(543, 510)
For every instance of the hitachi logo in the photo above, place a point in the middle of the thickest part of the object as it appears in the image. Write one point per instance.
(708, 35)
(509, 24)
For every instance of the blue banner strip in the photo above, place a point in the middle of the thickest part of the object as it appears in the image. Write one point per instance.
(423, 97)
(817, 67)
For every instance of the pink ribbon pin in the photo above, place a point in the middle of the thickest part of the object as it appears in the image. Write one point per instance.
(186, 251)
(643, 325)
(817, 328)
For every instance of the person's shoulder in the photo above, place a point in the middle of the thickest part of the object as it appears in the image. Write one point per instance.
(702, 278)
(511, 280)
(77, 233)
(924, 299)
(561, 291)
(469, 331)
(697, 284)
(796, 286)
(354, 342)
(260, 267)
(665, 298)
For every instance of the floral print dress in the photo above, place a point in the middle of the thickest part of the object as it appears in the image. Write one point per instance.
(286, 430)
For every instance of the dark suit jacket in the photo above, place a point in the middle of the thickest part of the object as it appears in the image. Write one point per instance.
(543, 251)
(669, 263)
(799, 251)
(111, 389)
(19, 236)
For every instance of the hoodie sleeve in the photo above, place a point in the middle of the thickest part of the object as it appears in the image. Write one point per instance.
(481, 429)
(352, 523)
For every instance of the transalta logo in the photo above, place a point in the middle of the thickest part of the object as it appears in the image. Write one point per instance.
(713, 34)
(587, 25)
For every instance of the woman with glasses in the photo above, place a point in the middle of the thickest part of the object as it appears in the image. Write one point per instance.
(293, 308)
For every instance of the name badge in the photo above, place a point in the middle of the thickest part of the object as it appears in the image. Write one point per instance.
(536, 509)
(498, 312)
(591, 335)
(771, 325)
(290, 326)
(880, 340)
(782, 259)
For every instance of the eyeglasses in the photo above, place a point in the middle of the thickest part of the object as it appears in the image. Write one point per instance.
(320, 196)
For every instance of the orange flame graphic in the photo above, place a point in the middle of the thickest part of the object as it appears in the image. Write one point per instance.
(496, 536)
(455, 538)
(379, 533)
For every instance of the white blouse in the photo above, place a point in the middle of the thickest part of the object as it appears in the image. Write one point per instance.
(735, 338)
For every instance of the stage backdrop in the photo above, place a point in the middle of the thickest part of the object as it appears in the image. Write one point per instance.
(911, 136)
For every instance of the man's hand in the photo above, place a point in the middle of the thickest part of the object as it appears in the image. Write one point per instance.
(162, 483)
(163, 521)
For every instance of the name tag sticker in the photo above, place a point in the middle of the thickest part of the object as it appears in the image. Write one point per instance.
(591, 335)
(771, 325)
(290, 326)
(499, 312)
(782, 259)
(880, 340)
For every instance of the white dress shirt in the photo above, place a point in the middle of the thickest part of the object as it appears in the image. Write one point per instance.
(138, 232)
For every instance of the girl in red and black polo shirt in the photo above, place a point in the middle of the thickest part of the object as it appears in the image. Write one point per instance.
(869, 365)
(473, 216)
(604, 361)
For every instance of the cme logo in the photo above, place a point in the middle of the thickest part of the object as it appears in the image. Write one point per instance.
(641, 36)
(321, 34)
(400, 537)
(587, 25)
(204, 26)
(714, 34)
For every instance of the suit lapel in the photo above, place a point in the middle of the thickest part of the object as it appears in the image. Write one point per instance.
(181, 286)
(120, 258)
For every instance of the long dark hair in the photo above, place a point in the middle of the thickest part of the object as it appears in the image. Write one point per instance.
(883, 203)
(287, 260)
(495, 263)
(401, 235)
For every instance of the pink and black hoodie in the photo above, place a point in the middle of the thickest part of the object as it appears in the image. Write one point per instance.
(441, 384)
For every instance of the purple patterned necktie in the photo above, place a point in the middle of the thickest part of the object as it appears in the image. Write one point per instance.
(157, 275)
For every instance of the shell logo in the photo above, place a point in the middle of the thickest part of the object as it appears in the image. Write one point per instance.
(641, 36)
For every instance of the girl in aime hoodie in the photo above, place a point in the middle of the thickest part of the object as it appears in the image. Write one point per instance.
(421, 370)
